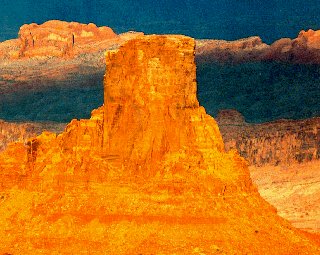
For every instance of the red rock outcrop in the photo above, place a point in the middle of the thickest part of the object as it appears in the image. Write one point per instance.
(59, 38)
(146, 174)
(56, 38)
(281, 142)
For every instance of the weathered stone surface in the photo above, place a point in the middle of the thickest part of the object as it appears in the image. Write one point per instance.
(294, 190)
(303, 49)
(146, 174)
(281, 142)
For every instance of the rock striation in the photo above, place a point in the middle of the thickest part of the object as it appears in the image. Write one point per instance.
(281, 142)
(147, 173)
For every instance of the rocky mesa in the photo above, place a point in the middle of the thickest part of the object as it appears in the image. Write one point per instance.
(147, 174)
(303, 50)
(56, 38)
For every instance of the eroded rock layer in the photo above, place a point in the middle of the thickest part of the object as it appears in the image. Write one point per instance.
(147, 174)
(282, 142)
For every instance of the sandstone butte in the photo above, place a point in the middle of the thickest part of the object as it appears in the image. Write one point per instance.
(146, 174)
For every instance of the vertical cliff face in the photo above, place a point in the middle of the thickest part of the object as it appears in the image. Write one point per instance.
(146, 174)
(150, 107)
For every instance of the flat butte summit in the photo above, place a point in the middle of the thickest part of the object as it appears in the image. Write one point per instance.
(146, 174)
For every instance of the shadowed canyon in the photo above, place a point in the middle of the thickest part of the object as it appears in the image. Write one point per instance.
(148, 172)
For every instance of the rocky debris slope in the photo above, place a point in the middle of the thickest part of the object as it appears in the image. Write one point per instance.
(305, 49)
(281, 142)
(21, 132)
(146, 174)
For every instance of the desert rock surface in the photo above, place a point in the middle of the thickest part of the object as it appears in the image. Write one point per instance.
(147, 174)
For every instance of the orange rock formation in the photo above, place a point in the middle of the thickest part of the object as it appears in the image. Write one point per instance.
(59, 38)
(56, 38)
(284, 163)
(147, 174)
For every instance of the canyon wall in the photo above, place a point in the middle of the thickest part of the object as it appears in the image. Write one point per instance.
(282, 142)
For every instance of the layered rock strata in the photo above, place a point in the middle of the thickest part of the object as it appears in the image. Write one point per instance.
(281, 142)
(146, 174)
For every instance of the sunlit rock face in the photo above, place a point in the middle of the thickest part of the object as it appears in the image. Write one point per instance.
(303, 49)
(146, 174)
(151, 122)
(151, 109)
(56, 38)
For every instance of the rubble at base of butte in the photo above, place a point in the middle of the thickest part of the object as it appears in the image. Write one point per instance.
(147, 174)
